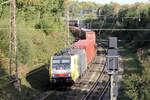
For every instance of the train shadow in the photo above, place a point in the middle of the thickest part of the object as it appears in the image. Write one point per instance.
(39, 78)
(79, 92)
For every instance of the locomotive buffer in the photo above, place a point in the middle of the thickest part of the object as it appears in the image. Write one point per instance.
(112, 67)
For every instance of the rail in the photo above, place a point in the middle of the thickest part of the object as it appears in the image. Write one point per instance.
(97, 81)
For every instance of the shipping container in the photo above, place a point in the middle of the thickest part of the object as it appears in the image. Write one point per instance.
(88, 46)
(90, 35)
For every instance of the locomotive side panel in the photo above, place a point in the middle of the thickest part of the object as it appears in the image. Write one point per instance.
(50, 69)
(81, 60)
(74, 68)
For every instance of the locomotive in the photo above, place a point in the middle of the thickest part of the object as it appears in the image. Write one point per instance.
(71, 63)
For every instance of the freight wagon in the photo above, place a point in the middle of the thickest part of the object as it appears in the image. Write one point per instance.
(82, 33)
(68, 65)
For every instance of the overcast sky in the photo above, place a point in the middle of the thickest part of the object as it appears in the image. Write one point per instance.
(119, 1)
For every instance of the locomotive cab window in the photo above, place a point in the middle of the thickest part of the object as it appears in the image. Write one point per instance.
(66, 61)
(56, 61)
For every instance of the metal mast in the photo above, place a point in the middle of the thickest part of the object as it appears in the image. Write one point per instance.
(67, 21)
(112, 67)
(13, 42)
(11, 39)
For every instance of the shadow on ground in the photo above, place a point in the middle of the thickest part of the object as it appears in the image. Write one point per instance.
(39, 78)
(77, 94)
(2, 74)
(9, 92)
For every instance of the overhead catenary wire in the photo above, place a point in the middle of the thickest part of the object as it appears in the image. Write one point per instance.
(109, 17)
(104, 29)
(78, 18)
(128, 40)
(109, 29)
(85, 18)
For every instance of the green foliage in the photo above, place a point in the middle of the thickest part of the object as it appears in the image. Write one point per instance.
(75, 7)
(107, 10)
(39, 24)
(46, 26)
(136, 81)
(135, 85)
(129, 17)
(4, 38)
(40, 34)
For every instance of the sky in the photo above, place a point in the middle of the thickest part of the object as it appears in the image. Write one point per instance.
(119, 1)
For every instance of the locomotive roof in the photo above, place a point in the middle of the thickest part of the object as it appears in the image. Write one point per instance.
(62, 57)
(68, 52)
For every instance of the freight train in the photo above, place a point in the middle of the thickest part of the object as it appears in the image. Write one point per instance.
(71, 63)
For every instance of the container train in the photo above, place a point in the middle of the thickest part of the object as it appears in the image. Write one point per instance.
(71, 63)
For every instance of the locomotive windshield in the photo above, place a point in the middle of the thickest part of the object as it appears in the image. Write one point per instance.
(61, 63)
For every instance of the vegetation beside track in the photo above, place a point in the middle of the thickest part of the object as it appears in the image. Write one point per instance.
(40, 34)
(136, 58)
(135, 84)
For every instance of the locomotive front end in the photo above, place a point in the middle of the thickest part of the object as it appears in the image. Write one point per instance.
(60, 69)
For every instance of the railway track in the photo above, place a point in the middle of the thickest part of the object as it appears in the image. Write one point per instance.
(94, 86)
(85, 86)
(98, 90)
(105, 89)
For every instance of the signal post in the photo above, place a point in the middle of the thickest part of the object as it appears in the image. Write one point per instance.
(112, 67)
